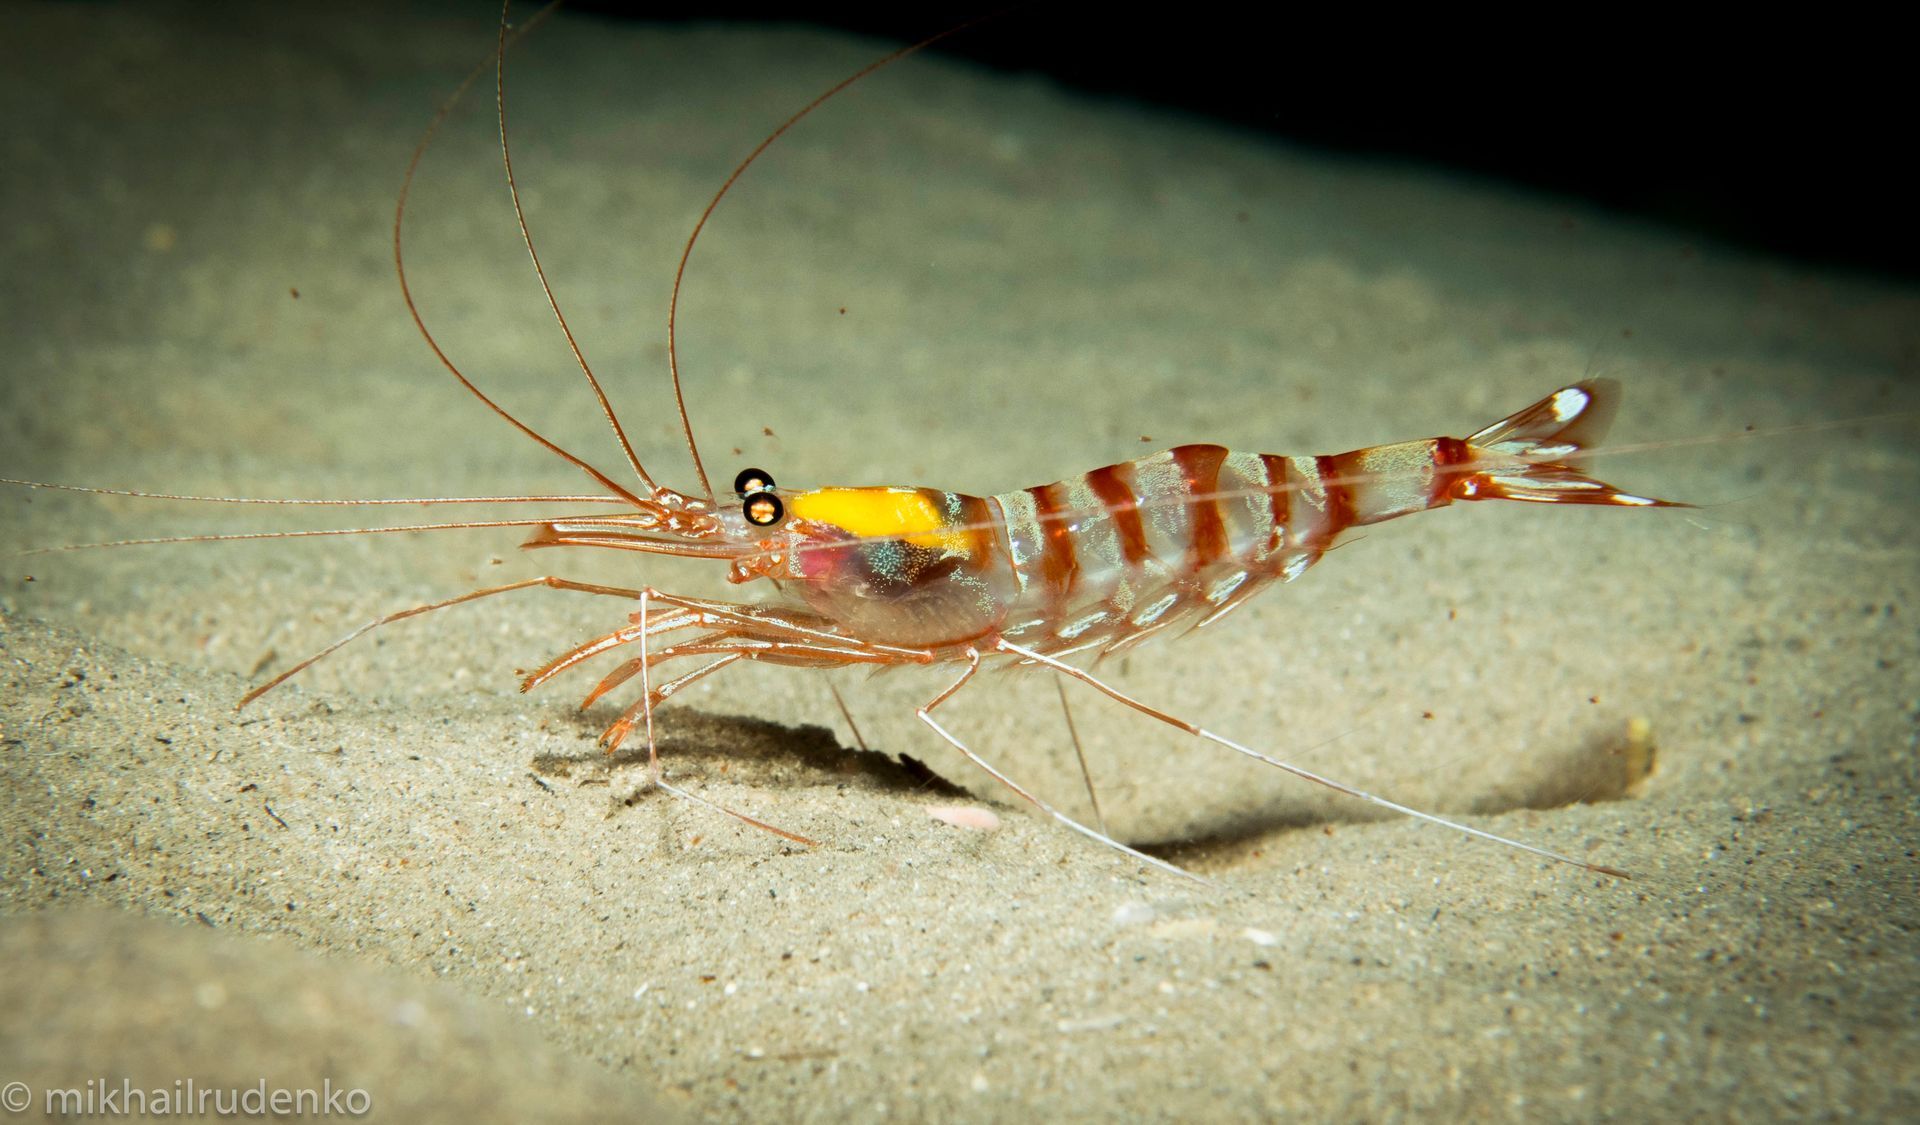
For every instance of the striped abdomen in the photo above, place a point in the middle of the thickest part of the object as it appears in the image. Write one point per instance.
(1113, 555)
(1110, 557)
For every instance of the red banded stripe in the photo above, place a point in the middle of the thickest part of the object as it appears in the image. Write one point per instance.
(1447, 452)
(1113, 484)
(1059, 566)
(1200, 468)
(1279, 499)
(1339, 475)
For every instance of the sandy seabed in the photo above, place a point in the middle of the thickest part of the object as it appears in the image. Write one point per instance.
(398, 874)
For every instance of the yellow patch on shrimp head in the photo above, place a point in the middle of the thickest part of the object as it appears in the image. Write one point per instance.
(892, 513)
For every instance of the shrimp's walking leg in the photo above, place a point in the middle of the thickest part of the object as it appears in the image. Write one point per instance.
(767, 631)
(674, 790)
(1086, 774)
(925, 714)
(472, 595)
(646, 692)
(665, 623)
(1198, 731)
(847, 714)
(614, 735)
(656, 776)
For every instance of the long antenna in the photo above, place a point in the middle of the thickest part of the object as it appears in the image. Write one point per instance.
(304, 501)
(526, 236)
(313, 533)
(680, 271)
(413, 310)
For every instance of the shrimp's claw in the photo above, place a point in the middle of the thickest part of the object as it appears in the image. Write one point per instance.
(1530, 454)
(611, 738)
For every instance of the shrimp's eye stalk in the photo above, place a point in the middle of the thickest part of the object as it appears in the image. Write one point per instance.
(763, 509)
(752, 480)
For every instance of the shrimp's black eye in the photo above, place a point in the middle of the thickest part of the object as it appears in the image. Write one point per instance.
(752, 480)
(763, 509)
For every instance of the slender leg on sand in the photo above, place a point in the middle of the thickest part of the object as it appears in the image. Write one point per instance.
(1198, 731)
(926, 716)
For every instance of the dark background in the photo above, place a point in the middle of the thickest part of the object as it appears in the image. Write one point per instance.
(1791, 138)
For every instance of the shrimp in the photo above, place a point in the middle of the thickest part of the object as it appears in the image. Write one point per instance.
(884, 576)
